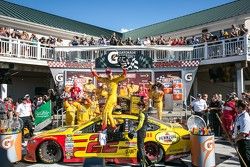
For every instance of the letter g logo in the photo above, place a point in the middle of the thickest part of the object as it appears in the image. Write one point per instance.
(189, 77)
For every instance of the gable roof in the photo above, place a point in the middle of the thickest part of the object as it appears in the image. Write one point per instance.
(31, 15)
(203, 17)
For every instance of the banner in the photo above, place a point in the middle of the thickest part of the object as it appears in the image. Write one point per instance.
(129, 59)
(43, 116)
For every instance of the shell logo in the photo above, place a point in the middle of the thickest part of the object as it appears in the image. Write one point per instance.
(7, 142)
(167, 137)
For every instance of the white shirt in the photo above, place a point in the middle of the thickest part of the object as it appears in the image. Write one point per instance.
(242, 124)
(23, 110)
(199, 105)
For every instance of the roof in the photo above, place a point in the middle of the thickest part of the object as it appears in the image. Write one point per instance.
(203, 17)
(31, 15)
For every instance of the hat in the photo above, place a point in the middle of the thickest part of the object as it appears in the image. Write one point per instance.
(27, 95)
(108, 70)
(199, 95)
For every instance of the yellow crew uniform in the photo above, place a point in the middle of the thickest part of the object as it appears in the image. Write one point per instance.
(158, 102)
(94, 109)
(89, 88)
(112, 84)
(71, 110)
(82, 112)
(132, 89)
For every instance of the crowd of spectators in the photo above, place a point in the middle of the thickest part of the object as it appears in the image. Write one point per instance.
(27, 36)
(114, 40)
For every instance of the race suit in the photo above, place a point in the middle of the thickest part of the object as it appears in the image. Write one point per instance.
(112, 84)
(141, 134)
(228, 115)
(70, 113)
(158, 102)
(83, 111)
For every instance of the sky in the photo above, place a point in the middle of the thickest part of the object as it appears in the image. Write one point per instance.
(120, 15)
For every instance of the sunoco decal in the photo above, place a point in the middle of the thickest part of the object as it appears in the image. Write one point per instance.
(167, 137)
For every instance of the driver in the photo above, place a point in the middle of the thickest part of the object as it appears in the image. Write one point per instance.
(112, 84)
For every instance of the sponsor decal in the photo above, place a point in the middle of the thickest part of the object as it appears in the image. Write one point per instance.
(167, 137)
(130, 151)
(69, 145)
(7, 142)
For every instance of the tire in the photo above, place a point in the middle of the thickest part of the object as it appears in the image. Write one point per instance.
(50, 152)
(154, 152)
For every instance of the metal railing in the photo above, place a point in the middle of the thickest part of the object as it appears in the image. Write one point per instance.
(209, 50)
(25, 49)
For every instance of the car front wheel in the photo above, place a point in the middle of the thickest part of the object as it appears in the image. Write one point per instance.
(154, 152)
(50, 152)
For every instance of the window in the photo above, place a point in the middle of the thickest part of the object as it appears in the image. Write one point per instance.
(93, 128)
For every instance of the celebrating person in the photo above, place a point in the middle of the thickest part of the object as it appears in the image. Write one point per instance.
(70, 111)
(112, 84)
(157, 96)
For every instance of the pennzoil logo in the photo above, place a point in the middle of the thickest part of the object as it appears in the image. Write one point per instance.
(7, 142)
(167, 137)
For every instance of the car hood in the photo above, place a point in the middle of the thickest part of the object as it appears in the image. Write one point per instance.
(58, 131)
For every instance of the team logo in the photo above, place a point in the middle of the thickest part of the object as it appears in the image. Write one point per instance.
(188, 77)
(7, 142)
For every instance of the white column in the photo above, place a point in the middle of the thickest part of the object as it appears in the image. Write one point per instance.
(240, 79)
(3, 91)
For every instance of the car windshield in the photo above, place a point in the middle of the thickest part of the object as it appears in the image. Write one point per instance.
(94, 120)
(160, 121)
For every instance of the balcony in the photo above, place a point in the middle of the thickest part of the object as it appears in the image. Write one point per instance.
(27, 52)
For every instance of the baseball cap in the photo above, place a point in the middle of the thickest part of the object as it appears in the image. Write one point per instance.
(27, 95)
(199, 95)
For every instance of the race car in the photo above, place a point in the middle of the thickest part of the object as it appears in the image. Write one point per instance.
(163, 142)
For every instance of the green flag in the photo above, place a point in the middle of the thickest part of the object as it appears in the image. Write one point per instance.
(43, 113)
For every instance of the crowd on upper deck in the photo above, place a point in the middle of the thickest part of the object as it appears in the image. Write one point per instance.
(114, 40)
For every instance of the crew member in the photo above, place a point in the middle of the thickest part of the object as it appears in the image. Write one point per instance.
(242, 133)
(112, 84)
(199, 106)
(89, 87)
(75, 92)
(70, 112)
(229, 113)
(102, 95)
(83, 109)
(141, 134)
(94, 107)
(24, 112)
(157, 96)
(131, 89)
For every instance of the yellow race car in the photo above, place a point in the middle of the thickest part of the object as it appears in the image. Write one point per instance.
(163, 142)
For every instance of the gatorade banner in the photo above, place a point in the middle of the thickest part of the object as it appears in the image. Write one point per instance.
(129, 59)
(43, 116)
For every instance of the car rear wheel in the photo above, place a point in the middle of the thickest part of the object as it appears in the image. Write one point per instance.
(154, 152)
(50, 152)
